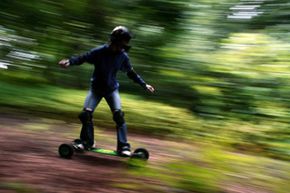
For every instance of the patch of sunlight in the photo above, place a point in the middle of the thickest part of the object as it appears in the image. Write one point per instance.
(128, 186)
(172, 73)
(265, 172)
(249, 38)
(151, 29)
(207, 89)
(36, 126)
(158, 115)
(141, 114)
(273, 108)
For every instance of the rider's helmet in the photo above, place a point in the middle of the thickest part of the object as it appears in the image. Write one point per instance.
(119, 34)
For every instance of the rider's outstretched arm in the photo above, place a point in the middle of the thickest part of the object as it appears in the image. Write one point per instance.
(131, 73)
(87, 57)
(137, 78)
(78, 60)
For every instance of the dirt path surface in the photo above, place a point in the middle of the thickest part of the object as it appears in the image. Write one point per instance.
(29, 160)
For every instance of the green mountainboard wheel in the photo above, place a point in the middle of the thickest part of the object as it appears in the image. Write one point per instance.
(66, 150)
(141, 153)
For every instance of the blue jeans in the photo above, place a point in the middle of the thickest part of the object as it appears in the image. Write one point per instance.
(114, 102)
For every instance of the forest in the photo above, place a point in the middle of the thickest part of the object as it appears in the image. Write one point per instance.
(220, 70)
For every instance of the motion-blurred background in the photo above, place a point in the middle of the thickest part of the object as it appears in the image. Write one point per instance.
(220, 69)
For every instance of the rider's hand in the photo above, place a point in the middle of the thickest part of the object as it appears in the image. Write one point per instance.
(64, 63)
(150, 88)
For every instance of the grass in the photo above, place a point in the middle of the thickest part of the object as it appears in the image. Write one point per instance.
(17, 187)
(213, 169)
(142, 116)
(266, 138)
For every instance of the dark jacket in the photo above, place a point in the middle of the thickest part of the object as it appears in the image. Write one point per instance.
(107, 64)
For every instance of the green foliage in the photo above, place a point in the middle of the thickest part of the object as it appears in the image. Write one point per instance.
(212, 169)
(43, 99)
(181, 176)
(173, 42)
(220, 68)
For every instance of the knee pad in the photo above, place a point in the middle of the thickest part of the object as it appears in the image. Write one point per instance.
(118, 117)
(86, 116)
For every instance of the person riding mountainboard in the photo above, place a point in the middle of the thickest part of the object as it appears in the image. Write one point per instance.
(107, 59)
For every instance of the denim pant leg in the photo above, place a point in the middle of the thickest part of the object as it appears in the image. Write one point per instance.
(114, 101)
(87, 131)
(92, 100)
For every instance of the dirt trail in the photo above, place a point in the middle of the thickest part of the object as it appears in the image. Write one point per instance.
(29, 159)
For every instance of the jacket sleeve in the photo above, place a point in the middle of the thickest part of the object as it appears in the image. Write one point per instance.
(89, 57)
(136, 78)
(131, 73)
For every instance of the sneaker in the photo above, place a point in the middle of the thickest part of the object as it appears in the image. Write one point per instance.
(124, 151)
(92, 147)
(82, 146)
(79, 147)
